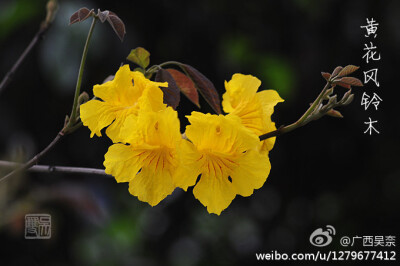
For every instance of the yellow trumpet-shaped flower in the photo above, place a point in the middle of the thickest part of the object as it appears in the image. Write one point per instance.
(224, 152)
(149, 160)
(254, 108)
(120, 98)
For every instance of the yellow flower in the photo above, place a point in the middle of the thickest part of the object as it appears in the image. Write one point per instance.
(149, 160)
(224, 153)
(120, 98)
(254, 108)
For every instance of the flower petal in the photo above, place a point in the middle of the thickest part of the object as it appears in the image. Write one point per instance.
(268, 144)
(152, 186)
(128, 131)
(122, 162)
(224, 134)
(240, 88)
(141, 83)
(253, 170)
(251, 114)
(96, 115)
(119, 90)
(186, 175)
(216, 193)
(113, 131)
(268, 99)
(152, 99)
(161, 128)
(121, 97)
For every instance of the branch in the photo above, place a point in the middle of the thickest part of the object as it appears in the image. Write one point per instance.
(73, 119)
(318, 109)
(71, 124)
(35, 159)
(51, 11)
(303, 120)
(58, 169)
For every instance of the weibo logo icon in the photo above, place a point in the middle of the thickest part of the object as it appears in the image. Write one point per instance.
(322, 238)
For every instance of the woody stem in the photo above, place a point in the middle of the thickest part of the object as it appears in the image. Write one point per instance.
(55, 169)
(51, 12)
(35, 159)
(72, 123)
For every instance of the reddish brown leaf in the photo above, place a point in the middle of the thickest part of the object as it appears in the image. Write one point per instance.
(205, 86)
(326, 75)
(344, 85)
(172, 94)
(80, 15)
(84, 14)
(74, 18)
(347, 70)
(336, 71)
(185, 85)
(117, 25)
(351, 81)
(103, 15)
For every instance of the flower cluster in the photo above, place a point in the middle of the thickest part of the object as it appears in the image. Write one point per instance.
(150, 153)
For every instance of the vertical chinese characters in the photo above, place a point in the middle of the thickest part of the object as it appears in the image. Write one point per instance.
(371, 55)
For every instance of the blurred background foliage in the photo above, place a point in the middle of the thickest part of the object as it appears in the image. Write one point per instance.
(326, 173)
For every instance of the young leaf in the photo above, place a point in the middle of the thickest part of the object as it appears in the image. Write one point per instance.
(351, 81)
(103, 15)
(115, 22)
(342, 84)
(117, 25)
(334, 113)
(185, 85)
(139, 56)
(336, 71)
(172, 94)
(80, 15)
(326, 75)
(347, 70)
(349, 100)
(205, 86)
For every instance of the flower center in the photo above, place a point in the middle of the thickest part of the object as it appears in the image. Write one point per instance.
(218, 165)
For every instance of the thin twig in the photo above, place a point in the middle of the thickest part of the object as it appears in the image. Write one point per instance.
(74, 112)
(271, 134)
(35, 159)
(72, 124)
(302, 120)
(57, 169)
(51, 9)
